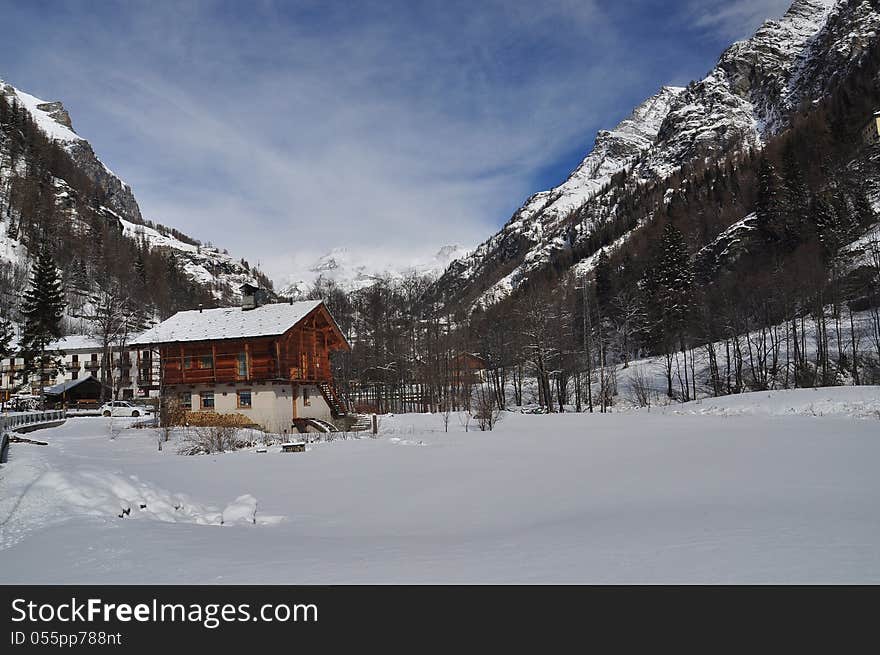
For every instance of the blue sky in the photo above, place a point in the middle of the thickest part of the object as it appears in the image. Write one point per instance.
(280, 130)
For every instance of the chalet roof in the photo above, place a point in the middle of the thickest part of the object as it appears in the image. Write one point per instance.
(59, 389)
(228, 323)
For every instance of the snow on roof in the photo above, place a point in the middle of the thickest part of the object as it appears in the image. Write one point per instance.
(76, 342)
(228, 323)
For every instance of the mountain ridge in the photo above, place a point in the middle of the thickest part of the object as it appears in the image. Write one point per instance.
(206, 266)
(749, 95)
(350, 271)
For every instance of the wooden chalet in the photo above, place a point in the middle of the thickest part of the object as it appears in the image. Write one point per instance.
(270, 362)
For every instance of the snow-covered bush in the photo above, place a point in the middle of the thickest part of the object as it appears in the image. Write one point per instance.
(210, 439)
(641, 389)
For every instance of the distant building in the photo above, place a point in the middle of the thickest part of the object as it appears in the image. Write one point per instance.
(871, 131)
(468, 369)
(9, 366)
(86, 390)
(129, 374)
(268, 362)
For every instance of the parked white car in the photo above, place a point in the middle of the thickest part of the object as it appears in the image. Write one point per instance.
(120, 408)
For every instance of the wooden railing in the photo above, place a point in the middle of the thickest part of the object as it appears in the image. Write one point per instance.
(173, 373)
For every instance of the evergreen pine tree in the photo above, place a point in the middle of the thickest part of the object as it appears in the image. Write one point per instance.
(768, 208)
(140, 269)
(795, 201)
(674, 277)
(42, 309)
(79, 277)
(604, 286)
(668, 288)
(829, 227)
(6, 336)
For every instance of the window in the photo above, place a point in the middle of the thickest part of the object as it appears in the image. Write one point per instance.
(185, 400)
(74, 359)
(306, 400)
(242, 365)
(187, 362)
(207, 361)
(74, 375)
(207, 398)
(244, 399)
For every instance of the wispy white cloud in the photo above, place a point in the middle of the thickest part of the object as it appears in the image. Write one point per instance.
(735, 19)
(279, 130)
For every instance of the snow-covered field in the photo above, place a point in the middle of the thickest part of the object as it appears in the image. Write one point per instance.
(778, 487)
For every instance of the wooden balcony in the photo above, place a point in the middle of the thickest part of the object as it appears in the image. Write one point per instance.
(300, 359)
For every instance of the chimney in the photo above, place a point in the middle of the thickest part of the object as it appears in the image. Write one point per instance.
(251, 296)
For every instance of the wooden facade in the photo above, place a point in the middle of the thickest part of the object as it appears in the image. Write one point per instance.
(299, 355)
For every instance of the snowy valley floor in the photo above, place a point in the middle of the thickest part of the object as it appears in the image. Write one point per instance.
(779, 487)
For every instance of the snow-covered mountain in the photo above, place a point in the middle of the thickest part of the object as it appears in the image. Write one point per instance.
(208, 266)
(749, 96)
(351, 270)
(54, 121)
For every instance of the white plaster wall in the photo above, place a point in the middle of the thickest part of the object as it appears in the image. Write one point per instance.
(317, 408)
(271, 405)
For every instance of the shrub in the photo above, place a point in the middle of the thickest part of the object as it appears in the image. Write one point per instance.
(171, 413)
(206, 440)
(641, 390)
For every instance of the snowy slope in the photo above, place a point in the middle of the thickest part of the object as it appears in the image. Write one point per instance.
(747, 97)
(207, 265)
(612, 151)
(50, 116)
(638, 497)
(828, 402)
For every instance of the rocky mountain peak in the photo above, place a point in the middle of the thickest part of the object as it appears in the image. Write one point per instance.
(57, 112)
(206, 265)
(749, 96)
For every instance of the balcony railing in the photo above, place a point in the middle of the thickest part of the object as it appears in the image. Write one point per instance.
(173, 375)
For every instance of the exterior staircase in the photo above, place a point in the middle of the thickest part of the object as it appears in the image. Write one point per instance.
(337, 406)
